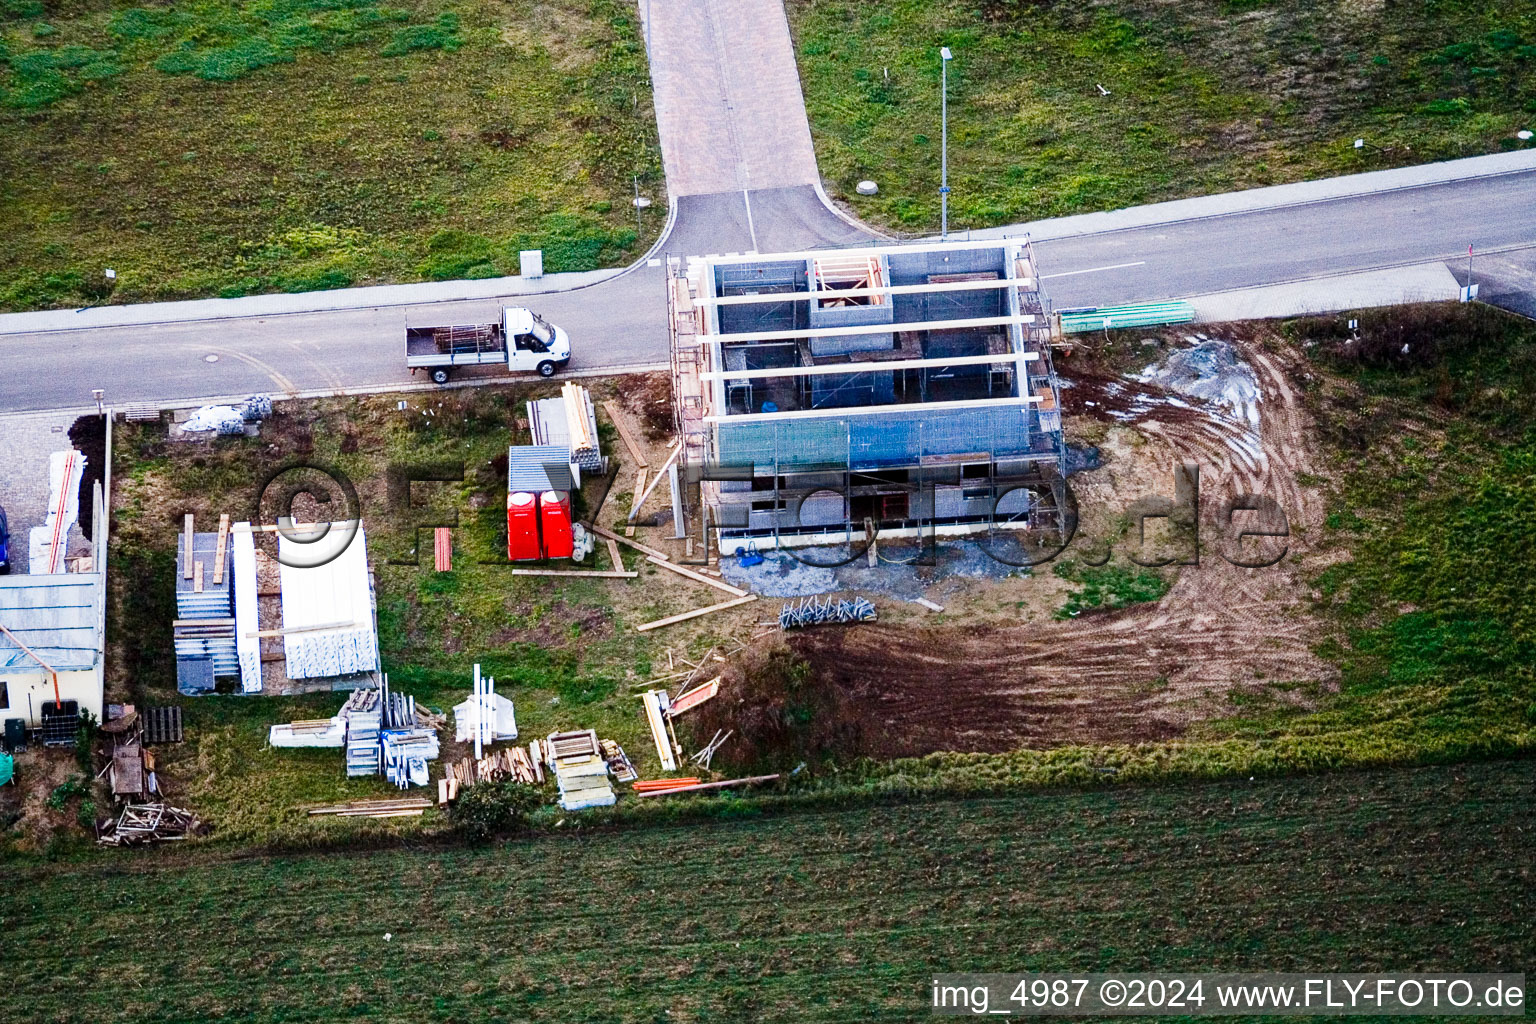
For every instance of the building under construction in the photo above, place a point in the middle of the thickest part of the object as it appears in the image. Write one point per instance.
(821, 394)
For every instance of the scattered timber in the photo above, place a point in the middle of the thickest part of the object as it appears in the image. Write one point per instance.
(685, 616)
(698, 577)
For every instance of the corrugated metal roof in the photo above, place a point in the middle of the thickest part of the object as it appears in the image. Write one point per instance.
(56, 616)
(537, 468)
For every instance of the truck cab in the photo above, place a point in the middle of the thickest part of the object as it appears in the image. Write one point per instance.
(534, 343)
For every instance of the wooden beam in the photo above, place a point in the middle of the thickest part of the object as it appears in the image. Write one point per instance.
(615, 554)
(660, 473)
(618, 574)
(892, 328)
(186, 546)
(635, 451)
(634, 503)
(609, 534)
(27, 650)
(685, 616)
(869, 367)
(442, 549)
(197, 577)
(300, 629)
(218, 557)
(699, 577)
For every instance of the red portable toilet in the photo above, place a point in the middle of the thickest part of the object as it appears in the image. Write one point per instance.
(555, 519)
(522, 526)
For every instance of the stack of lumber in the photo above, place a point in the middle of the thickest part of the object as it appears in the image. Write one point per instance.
(149, 823)
(656, 704)
(580, 770)
(405, 807)
(619, 763)
(509, 763)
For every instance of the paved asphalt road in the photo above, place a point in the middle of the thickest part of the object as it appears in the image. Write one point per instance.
(1291, 243)
(623, 321)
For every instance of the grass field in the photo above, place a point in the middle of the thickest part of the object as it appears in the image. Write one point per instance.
(565, 650)
(1203, 96)
(226, 148)
(833, 916)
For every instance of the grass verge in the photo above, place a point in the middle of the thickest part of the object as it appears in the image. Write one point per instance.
(228, 148)
(1059, 108)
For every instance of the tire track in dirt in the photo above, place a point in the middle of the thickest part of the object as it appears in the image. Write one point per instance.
(1144, 673)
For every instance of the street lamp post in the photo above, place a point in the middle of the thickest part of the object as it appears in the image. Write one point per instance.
(944, 58)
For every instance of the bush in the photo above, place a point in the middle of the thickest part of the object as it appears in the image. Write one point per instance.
(487, 810)
(70, 787)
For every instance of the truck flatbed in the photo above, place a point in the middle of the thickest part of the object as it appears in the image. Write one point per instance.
(460, 345)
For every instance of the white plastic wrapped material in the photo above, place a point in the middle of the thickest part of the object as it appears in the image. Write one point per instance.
(225, 419)
(336, 597)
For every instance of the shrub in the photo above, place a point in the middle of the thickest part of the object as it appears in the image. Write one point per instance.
(488, 810)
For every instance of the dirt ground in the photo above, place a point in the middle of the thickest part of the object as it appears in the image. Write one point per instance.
(1221, 634)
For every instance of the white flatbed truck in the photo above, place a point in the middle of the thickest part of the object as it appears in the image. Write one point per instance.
(523, 340)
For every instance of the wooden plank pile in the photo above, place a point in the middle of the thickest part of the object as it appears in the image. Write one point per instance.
(496, 766)
(619, 764)
(580, 770)
(404, 807)
(149, 823)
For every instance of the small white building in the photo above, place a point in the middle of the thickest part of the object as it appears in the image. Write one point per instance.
(52, 634)
(51, 643)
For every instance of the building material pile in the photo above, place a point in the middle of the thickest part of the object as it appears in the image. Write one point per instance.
(619, 763)
(312, 732)
(204, 633)
(661, 785)
(569, 422)
(382, 731)
(580, 770)
(364, 716)
(485, 717)
(656, 704)
(405, 807)
(405, 753)
(328, 613)
(47, 544)
(149, 823)
(508, 763)
(815, 611)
